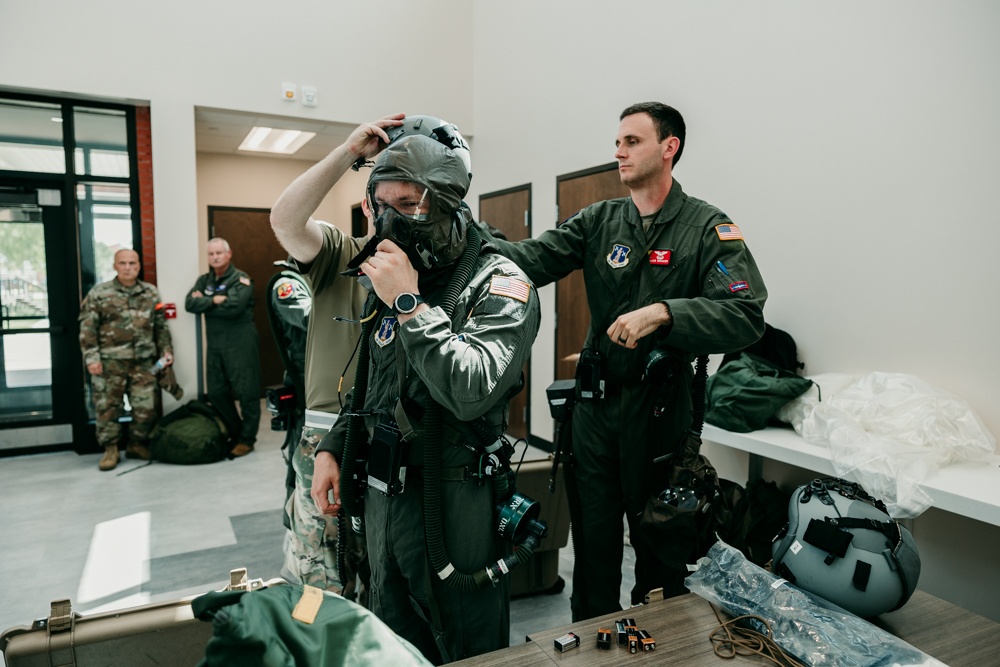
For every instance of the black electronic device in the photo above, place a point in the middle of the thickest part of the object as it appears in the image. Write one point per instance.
(386, 460)
(280, 400)
(589, 376)
(561, 395)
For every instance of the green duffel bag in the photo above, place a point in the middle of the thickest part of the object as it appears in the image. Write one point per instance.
(745, 393)
(191, 434)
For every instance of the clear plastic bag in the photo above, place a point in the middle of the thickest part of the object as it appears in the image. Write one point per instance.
(888, 432)
(811, 630)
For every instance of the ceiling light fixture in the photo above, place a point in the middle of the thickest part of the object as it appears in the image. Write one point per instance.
(270, 140)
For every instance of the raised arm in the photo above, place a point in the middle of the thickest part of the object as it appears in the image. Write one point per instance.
(291, 215)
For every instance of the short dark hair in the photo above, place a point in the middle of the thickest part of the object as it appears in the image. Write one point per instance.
(668, 122)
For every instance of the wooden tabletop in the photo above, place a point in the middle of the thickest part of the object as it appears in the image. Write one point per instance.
(681, 627)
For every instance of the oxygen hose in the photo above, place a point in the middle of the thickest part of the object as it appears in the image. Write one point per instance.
(431, 437)
(693, 440)
(356, 436)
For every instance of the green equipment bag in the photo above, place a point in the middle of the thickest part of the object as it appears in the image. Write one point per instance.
(191, 434)
(744, 394)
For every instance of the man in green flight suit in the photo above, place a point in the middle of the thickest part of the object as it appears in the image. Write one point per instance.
(664, 272)
(122, 333)
(447, 330)
(225, 296)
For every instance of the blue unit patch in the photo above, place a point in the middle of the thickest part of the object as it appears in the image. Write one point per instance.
(386, 331)
(618, 257)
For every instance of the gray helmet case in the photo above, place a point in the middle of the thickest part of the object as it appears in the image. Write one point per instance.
(841, 544)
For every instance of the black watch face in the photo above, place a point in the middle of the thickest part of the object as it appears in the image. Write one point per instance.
(405, 303)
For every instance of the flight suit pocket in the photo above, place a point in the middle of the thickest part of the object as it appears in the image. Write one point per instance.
(727, 286)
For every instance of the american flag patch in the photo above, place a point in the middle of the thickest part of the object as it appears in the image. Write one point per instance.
(729, 233)
(245, 280)
(511, 287)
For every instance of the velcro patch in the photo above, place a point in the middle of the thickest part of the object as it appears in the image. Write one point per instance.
(386, 331)
(729, 232)
(659, 257)
(308, 605)
(738, 286)
(510, 287)
(245, 280)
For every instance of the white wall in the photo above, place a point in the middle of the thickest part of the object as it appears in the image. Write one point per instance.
(853, 142)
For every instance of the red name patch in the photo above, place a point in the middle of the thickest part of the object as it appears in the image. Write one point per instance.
(659, 257)
(737, 287)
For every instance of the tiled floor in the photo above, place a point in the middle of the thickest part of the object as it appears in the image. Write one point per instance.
(141, 534)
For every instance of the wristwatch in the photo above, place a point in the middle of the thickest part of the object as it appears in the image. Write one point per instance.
(407, 302)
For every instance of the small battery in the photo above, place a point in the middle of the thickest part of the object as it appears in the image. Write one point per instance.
(633, 643)
(566, 642)
(622, 634)
(646, 641)
(630, 623)
(604, 639)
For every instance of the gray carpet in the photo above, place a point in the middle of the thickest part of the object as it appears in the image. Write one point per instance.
(258, 548)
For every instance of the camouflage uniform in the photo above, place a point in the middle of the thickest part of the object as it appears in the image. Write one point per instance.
(311, 545)
(124, 329)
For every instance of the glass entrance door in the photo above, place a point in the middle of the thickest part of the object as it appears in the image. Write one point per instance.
(41, 397)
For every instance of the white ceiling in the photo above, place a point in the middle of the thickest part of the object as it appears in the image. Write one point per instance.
(221, 131)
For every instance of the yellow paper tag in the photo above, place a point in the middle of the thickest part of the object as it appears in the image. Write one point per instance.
(308, 605)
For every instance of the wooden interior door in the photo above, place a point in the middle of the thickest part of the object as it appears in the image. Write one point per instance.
(510, 211)
(255, 249)
(574, 192)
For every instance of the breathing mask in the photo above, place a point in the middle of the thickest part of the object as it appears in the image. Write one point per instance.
(433, 233)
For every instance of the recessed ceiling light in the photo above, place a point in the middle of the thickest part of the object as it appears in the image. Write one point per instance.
(270, 140)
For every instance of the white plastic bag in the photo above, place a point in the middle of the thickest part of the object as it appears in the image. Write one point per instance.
(889, 432)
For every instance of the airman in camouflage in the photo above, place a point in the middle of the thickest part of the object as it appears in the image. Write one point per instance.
(122, 334)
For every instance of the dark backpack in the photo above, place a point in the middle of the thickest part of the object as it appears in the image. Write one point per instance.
(766, 515)
(191, 434)
(776, 346)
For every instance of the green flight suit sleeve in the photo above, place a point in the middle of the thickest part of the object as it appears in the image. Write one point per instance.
(471, 369)
(239, 298)
(89, 323)
(198, 304)
(554, 254)
(729, 314)
(292, 309)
